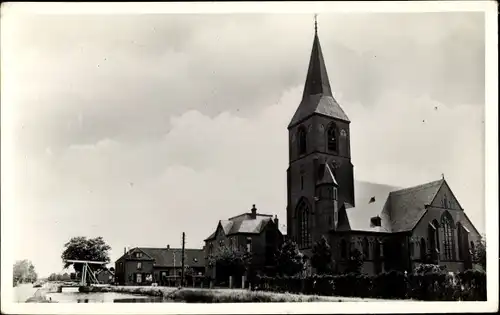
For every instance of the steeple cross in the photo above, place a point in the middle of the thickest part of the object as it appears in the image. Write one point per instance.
(316, 23)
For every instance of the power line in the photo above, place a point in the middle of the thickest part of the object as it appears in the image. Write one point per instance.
(182, 258)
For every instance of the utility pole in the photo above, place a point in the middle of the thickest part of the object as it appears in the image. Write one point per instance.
(182, 259)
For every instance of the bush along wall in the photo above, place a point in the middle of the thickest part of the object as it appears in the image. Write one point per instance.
(429, 286)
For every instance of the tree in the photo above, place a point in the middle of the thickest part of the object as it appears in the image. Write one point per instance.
(479, 253)
(52, 277)
(355, 261)
(230, 262)
(66, 277)
(321, 258)
(289, 260)
(81, 248)
(24, 271)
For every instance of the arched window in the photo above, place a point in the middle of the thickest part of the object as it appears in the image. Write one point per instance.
(343, 248)
(304, 236)
(366, 248)
(449, 236)
(423, 249)
(436, 225)
(460, 241)
(331, 135)
(376, 249)
(302, 140)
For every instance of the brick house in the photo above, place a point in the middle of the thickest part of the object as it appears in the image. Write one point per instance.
(255, 233)
(145, 265)
(105, 276)
(394, 228)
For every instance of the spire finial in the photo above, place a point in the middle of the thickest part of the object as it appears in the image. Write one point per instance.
(315, 23)
(442, 175)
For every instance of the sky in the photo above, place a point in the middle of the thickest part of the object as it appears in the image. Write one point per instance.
(137, 128)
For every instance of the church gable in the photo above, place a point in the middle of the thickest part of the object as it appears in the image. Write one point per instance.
(446, 199)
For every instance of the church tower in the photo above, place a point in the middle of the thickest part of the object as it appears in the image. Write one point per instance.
(320, 175)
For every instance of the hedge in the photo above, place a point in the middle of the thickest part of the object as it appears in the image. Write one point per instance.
(429, 286)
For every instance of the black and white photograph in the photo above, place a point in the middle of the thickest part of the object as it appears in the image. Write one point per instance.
(189, 156)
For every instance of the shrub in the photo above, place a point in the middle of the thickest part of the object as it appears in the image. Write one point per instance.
(427, 283)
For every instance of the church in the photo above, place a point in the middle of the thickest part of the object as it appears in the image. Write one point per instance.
(393, 228)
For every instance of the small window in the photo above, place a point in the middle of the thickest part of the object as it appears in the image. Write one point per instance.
(139, 265)
(249, 244)
(138, 278)
(302, 138)
(335, 193)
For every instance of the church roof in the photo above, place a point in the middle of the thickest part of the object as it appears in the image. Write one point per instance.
(370, 200)
(317, 97)
(399, 209)
(408, 205)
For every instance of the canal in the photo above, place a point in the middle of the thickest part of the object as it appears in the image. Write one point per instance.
(71, 296)
(23, 292)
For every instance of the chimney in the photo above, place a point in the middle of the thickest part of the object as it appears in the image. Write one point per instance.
(276, 221)
(168, 246)
(254, 212)
(124, 250)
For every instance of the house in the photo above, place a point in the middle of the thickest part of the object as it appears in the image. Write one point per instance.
(255, 233)
(106, 276)
(394, 228)
(146, 265)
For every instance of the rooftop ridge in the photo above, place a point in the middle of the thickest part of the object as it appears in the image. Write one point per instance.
(415, 188)
(170, 248)
(248, 213)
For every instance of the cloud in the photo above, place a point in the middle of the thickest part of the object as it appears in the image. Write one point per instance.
(138, 128)
(210, 168)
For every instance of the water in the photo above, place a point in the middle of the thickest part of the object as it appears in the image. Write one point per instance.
(23, 291)
(104, 297)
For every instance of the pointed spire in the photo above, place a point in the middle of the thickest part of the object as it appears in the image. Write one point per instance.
(317, 81)
(317, 97)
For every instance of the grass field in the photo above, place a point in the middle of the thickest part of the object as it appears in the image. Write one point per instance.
(197, 295)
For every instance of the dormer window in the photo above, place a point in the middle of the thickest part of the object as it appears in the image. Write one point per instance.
(376, 221)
